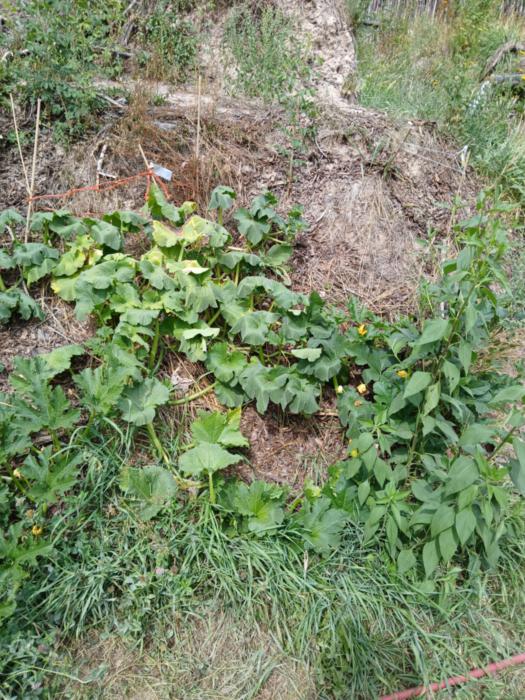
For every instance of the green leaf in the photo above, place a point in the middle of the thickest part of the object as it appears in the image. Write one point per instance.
(222, 428)
(153, 486)
(517, 470)
(106, 234)
(443, 518)
(308, 354)
(465, 355)
(452, 374)
(59, 360)
(463, 473)
(261, 503)
(476, 434)
(225, 363)
(207, 458)
(405, 561)
(430, 557)
(417, 382)
(432, 398)
(259, 382)
(465, 525)
(160, 208)
(321, 525)
(222, 197)
(254, 326)
(230, 396)
(250, 227)
(277, 255)
(434, 329)
(447, 544)
(138, 403)
(50, 475)
(510, 394)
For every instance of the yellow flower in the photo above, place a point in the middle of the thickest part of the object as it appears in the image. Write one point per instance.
(36, 530)
(362, 389)
(339, 389)
(402, 373)
(362, 330)
(358, 403)
(354, 453)
(17, 473)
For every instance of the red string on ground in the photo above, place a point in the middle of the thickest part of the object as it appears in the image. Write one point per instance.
(101, 187)
(456, 680)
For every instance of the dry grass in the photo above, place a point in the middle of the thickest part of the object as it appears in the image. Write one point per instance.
(213, 658)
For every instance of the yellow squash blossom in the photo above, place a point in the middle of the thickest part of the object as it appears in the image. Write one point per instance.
(354, 453)
(362, 330)
(17, 473)
(339, 389)
(402, 373)
(36, 530)
(362, 389)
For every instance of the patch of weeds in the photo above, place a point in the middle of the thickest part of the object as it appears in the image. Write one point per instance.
(429, 67)
(53, 55)
(271, 62)
(170, 41)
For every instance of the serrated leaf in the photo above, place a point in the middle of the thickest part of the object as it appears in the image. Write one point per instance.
(106, 234)
(138, 403)
(153, 486)
(254, 326)
(261, 503)
(225, 363)
(221, 428)
(59, 359)
(321, 525)
(250, 227)
(207, 458)
(222, 197)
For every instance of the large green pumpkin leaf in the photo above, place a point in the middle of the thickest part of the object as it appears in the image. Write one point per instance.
(154, 487)
(138, 403)
(221, 428)
(207, 458)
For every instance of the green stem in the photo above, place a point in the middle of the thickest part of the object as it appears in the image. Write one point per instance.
(214, 317)
(237, 271)
(2, 285)
(219, 216)
(55, 440)
(156, 443)
(181, 252)
(504, 441)
(192, 397)
(212, 490)
(154, 346)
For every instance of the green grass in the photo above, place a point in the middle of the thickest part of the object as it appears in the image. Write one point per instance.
(430, 68)
(348, 618)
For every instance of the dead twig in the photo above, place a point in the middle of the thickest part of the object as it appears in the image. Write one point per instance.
(33, 171)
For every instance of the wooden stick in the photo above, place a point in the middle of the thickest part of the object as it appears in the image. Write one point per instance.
(24, 169)
(33, 170)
